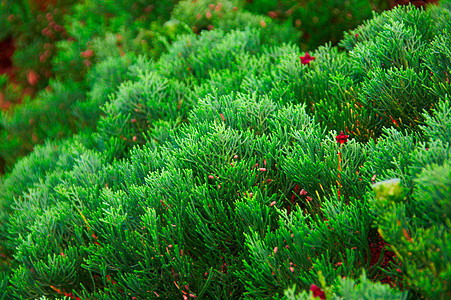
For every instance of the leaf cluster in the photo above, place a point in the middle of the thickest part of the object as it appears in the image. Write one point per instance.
(215, 171)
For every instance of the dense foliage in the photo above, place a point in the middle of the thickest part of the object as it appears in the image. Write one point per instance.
(197, 151)
(62, 43)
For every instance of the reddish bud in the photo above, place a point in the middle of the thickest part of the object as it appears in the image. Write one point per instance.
(394, 121)
(33, 77)
(272, 14)
(87, 54)
(58, 28)
(408, 238)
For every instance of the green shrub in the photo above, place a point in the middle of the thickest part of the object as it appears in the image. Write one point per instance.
(35, 28)
(389, 81)
(319, 21)
(9, 94)
(132, 111)
(228, 16)
(345, 288)
(34, 121)
(104, 28)
(193, 56)
(217, 171)
(97, 32)
(417, 225)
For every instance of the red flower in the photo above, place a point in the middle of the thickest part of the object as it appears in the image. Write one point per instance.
(306, 59)
(33, 77)
(87, 54)
(317, 292)
(342, 138)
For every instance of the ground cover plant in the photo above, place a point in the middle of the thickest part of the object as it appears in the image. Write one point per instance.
(51, 45)
(232, 164)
